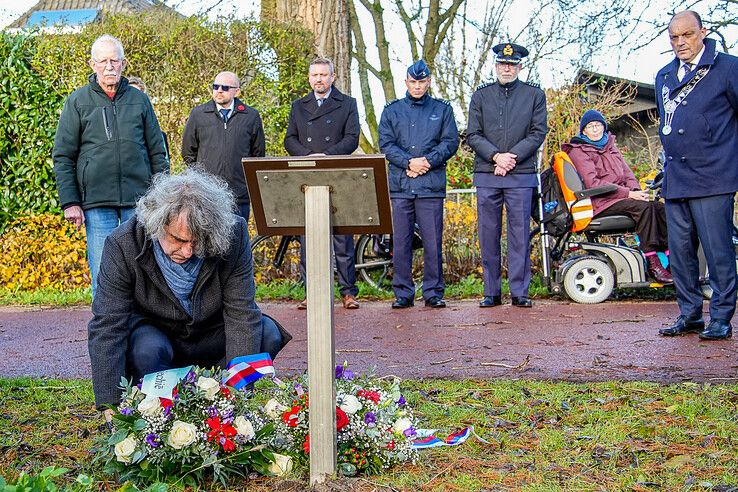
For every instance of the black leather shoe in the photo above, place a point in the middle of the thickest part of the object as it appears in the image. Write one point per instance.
(717, 329)
(682, 326)
(522, 301)
(490, 301)
(402, 303)
(435, 302)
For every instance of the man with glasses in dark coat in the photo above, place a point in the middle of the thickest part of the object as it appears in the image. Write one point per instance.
(221, 132)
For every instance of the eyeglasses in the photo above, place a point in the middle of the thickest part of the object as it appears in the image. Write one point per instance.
(111, 61)
(594, 124)
(225, 88)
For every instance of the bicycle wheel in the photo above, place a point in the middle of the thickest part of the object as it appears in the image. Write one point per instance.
(268, 267)
(374, 261)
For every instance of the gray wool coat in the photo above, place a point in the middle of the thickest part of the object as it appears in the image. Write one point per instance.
(225, 321)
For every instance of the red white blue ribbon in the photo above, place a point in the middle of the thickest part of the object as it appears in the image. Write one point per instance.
(454, 439)
(247, 369)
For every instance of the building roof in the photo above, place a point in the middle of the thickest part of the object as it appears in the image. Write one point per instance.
(77, 12)
(597, 83)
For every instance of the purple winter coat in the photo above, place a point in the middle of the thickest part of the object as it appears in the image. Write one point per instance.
(599, 167)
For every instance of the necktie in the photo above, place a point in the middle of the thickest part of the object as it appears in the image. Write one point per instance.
(687, 69)
(224, 114)
(321, 100)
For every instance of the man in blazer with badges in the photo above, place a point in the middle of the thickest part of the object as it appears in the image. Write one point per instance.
(326, 122)
(697, 99)
(507, 125)
(418, 135)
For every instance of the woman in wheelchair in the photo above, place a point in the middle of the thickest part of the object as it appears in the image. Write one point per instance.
(599, 162)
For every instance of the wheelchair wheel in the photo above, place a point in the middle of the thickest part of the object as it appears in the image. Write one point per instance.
(589, 280)
(268, 266)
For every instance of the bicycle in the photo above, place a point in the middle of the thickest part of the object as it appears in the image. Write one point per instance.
(278, 257)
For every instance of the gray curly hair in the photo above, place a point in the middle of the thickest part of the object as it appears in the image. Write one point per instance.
(207, 201)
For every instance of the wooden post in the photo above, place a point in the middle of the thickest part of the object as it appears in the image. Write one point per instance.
(321, 353)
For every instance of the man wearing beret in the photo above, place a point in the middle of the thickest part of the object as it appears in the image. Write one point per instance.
(507, 125)
(697, 100)
(418, 135)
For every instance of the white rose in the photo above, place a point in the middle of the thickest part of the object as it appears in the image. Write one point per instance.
(209, 386)
(244, 427)
(181, 435)
(274, 409)
(350, 404)
(281, 465)
(125, 449)
(401, 425)
(150, 406)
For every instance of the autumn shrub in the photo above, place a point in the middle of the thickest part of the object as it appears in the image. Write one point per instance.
(42, 251)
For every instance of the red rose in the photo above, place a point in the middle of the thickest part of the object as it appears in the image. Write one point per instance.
(241, 107)
(341, 419)
(306, 444)
(225, 392)
(165, 402)
(391, 445)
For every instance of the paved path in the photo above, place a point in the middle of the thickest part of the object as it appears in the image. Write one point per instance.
(553, 340)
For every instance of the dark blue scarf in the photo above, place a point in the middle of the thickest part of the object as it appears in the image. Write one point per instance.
(180, 277)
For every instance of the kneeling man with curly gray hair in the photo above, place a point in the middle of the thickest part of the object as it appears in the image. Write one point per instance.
(176, 287)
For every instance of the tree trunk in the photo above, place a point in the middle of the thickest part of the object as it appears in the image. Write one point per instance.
(328, 20)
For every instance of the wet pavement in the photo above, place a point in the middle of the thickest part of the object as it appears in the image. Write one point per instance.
(553, 340)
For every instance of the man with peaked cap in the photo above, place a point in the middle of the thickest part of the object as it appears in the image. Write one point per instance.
(418, 135)
(697, 100)
(507, 125)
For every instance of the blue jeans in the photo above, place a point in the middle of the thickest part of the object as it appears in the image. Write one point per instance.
(151, 350)
(99, 223)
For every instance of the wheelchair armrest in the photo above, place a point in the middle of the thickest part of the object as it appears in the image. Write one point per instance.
(600, 190)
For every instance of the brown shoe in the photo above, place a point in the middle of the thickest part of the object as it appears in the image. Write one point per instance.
(350, 302)
(303, 304)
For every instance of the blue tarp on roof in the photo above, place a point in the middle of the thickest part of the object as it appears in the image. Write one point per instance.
(76, 17)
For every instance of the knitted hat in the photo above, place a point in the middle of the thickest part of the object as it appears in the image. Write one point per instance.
(590, 116)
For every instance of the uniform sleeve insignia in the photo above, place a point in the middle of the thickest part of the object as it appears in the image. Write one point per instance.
(482, 86)
(533, 84)
(391, 103)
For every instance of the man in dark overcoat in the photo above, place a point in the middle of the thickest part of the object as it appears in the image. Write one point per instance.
(697, 99)
(326, 122)
(418, 135)
(221, 132)
(507, 125)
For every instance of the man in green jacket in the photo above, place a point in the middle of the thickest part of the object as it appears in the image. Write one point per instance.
(107, 147)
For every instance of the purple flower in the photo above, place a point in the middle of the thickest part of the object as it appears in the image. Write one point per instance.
(190, 378)
(168, 411)
(126, 411)
(344, 372)
(370, 418)
(339, 371)
(153, 440)
(212, 411)
(409, 432)
(401, 402)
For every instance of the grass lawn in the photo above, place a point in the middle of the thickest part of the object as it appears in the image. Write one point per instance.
(543, 436)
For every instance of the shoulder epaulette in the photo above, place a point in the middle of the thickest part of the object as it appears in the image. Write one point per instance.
(444, 101)
(533, 84)
(391, 103)
(482, 86)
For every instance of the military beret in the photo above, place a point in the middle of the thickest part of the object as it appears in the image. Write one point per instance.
(418, 70)
(509, 53)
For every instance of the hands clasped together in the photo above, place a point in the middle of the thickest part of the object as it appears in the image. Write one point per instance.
(417, 167)
(504, 163)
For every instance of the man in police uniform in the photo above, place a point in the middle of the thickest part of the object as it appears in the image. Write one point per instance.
(326, 122)
(697, 99)
(507, 125)
(418, 135)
